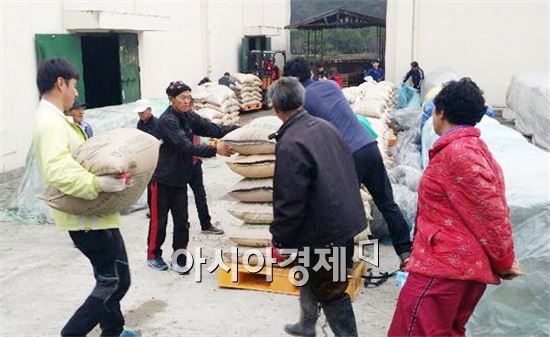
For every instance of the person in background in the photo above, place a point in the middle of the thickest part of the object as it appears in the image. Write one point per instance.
(334, 76)
(226, 80)
(463, 237)
(325, 100)
(275, 72)
(204, 80)
(319, 73)
(176, 127)
(97, 237)
(77, 112)
(376, 72)
(416, 74)
(197, 186)
(316, 205)
(147, 122)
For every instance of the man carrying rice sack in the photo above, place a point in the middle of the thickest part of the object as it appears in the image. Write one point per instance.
(97, 237)
(325, 100)
(176, 128)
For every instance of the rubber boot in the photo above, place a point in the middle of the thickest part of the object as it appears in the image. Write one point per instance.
(309, 313)
(340, 317)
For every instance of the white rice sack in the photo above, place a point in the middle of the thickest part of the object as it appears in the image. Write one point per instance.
(251, 140)
(378, 126)
(111, 153)
(251, 236)
(251, 89)
(219, 94)
(254, 166)
(246, 78)
(210, 114)
(351, 94)
(370, 108)
(253, 190)
(252, 213)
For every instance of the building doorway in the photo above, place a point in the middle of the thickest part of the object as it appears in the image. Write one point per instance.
(100, 60)
(108, 64)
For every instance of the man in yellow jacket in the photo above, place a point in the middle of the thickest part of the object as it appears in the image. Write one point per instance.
(97, 237)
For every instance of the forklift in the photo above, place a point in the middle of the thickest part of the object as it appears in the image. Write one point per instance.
(262, 64)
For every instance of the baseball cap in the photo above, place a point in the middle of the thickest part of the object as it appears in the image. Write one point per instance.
(78, 105)
(142, 105)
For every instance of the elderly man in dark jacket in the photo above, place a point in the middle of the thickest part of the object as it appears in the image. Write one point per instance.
(168, 186)
(316, 203)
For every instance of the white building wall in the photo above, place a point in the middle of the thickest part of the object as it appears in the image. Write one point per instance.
(203, 39)
(487, 40)
(19, 96)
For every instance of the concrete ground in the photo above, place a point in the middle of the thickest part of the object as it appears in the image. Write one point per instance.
(43, 280)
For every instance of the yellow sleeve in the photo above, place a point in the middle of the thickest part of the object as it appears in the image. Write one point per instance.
(59, 168)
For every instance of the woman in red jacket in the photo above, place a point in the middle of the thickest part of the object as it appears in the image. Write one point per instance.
(463, 239)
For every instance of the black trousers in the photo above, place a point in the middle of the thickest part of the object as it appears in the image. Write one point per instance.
(372, 173)
(322, 283)
(107, 254)
(197, 186)
(164, 199)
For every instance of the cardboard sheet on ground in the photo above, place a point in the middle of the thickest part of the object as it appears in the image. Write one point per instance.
(25, 206)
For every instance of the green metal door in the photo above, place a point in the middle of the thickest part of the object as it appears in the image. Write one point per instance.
(65, 46)
(243, 57)
(129, 67)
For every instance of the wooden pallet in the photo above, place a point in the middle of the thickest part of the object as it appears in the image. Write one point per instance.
(281, 283)
(251, 107)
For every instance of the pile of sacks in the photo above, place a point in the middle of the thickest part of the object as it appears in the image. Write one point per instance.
(248, 89)
(216, 103)
(256, 163)
(374, 101)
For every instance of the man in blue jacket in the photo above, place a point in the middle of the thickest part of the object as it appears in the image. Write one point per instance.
(375, 71)
(325, 100)
(416, 74)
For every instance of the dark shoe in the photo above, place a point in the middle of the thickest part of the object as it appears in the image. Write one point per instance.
(340, 317)
(309, 313)
(179, 266)
(157, 264)
(212, 230)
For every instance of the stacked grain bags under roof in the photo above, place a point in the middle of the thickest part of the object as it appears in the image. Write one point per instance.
(217, 103)
(248, 90)
(256, 163)
(375, 101)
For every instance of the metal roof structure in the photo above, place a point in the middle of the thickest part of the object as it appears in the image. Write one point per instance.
(334, 19)
(338, 18)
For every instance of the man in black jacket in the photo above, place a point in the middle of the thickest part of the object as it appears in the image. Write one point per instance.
(175, 128)
(316, 203)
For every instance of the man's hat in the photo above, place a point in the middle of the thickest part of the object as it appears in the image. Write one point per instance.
(142, 105)
(78, 105)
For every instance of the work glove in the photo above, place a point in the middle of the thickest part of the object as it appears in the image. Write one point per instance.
(117, 183)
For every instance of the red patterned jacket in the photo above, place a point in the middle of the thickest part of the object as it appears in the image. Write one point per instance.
(463, 229)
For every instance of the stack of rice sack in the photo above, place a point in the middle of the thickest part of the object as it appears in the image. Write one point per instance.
(375, 101)
(217, 103)
(256, 163)
(248, 90)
